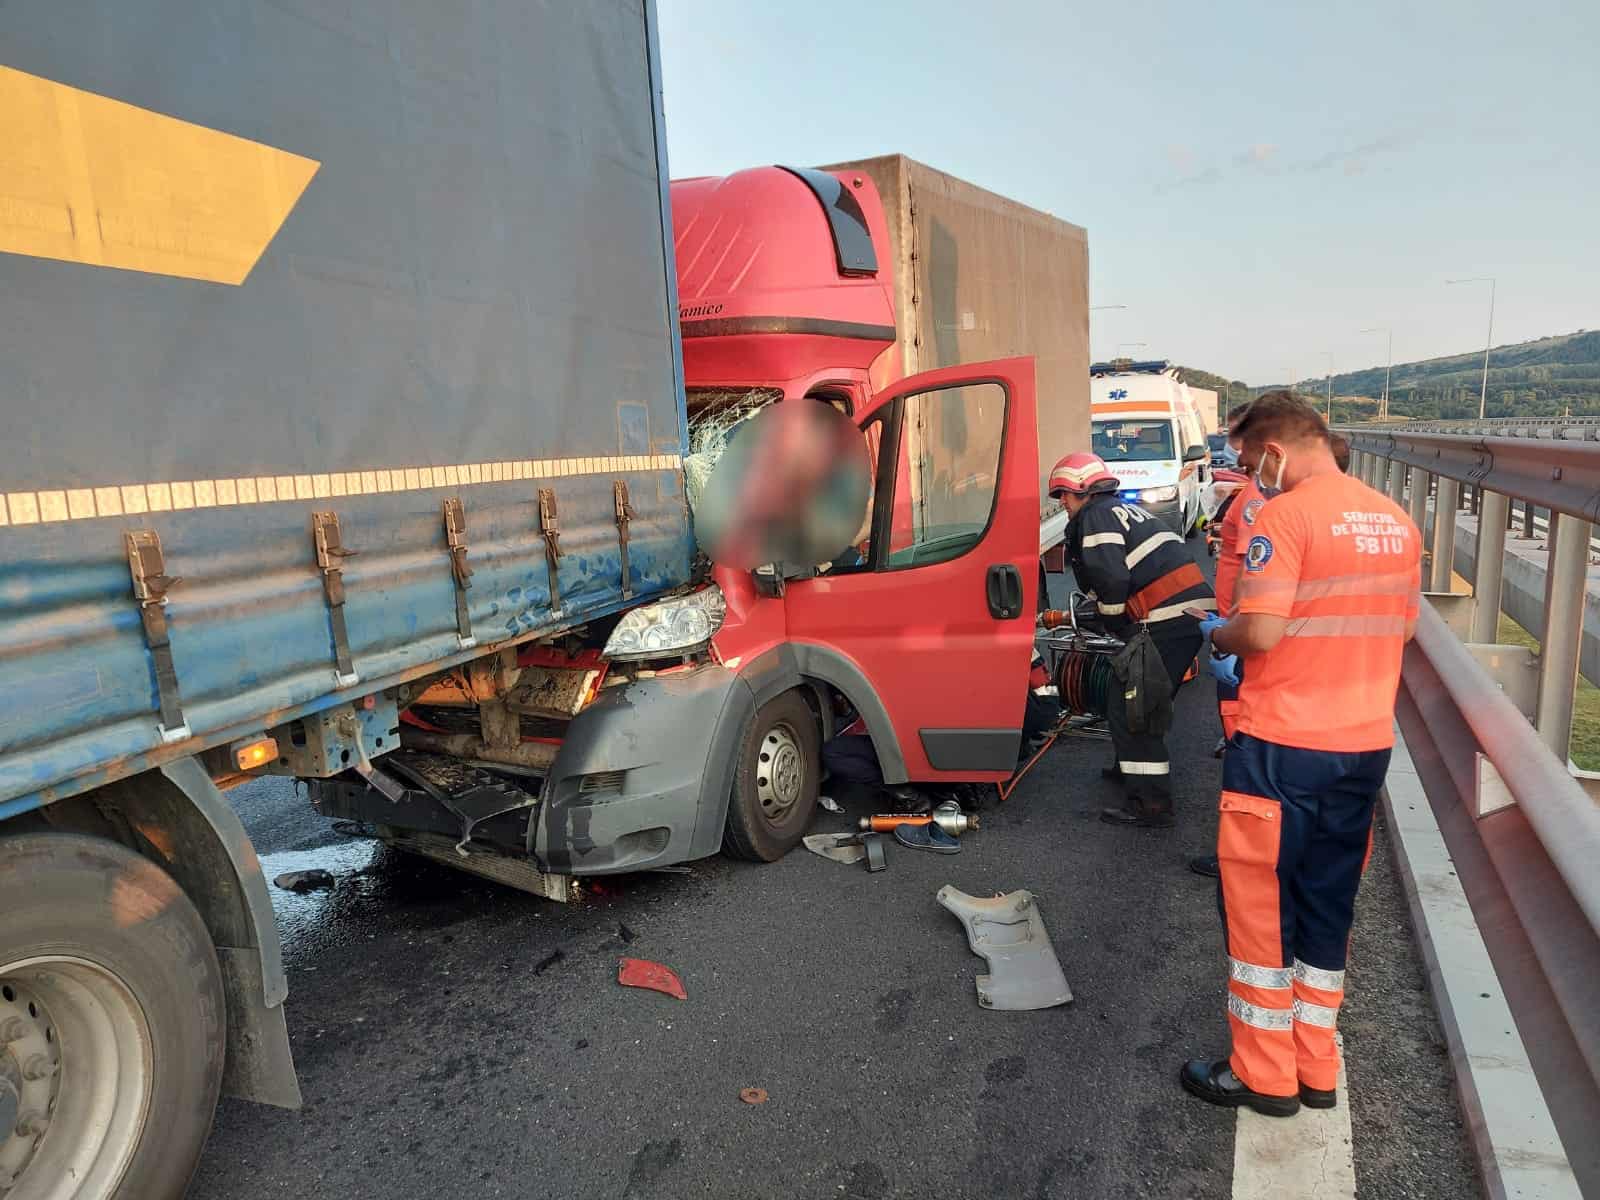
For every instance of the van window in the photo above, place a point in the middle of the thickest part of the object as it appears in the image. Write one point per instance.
(947, 473)
(1133, 441)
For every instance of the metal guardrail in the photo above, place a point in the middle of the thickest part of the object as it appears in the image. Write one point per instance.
(1498, 721)
(1568, 428)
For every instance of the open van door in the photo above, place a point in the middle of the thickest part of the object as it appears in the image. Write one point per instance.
(931, 634)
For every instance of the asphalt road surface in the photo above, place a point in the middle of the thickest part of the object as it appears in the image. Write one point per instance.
(455, 1038)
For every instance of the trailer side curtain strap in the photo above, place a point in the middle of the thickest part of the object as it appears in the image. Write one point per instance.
(455, 537)
(147, 565)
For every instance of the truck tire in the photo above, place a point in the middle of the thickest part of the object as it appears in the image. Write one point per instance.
(112, 1023)
(776, 780)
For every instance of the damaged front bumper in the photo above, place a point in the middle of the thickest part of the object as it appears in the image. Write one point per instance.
(644, 775)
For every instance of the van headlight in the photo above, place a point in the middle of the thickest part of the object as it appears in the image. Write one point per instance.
(674, 626)
(1157, 494)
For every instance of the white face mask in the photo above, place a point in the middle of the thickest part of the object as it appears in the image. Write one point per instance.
(1276, 486)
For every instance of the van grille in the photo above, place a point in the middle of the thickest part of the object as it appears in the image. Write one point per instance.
(601, 781)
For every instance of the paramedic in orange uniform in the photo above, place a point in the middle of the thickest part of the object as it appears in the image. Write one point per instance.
(1326, 602)
(1242, 509)
(1247, 500)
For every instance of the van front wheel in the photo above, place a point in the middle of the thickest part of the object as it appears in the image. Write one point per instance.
(776, 781)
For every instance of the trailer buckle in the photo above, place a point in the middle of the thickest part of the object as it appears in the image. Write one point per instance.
(147, 566)
(331, 553)
(625, 514)
(550, 529)
(455, 536)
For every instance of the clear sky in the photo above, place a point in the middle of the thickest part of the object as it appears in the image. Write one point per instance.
(1260, 182)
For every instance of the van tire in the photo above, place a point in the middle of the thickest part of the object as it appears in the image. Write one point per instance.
(775, 782)
(106, 959)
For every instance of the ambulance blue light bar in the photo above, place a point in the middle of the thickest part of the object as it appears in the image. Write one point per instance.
(1126, 366)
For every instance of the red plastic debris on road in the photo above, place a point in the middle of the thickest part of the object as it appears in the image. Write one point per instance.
(641, 973)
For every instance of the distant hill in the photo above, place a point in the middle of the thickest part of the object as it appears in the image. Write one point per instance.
(1543, 378)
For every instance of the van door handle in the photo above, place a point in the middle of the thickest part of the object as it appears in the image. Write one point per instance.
(1004, 585)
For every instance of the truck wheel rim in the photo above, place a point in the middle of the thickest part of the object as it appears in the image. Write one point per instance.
(75, 1050)
(780, 772)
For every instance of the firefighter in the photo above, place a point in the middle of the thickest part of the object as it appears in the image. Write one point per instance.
(1326, 602)
(1140, 572)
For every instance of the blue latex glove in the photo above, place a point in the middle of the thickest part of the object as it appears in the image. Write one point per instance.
(1209, 624)
(1224, 670)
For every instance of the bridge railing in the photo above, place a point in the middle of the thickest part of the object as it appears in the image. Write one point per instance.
(1493, 724)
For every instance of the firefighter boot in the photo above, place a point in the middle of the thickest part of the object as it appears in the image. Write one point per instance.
(1147, 805)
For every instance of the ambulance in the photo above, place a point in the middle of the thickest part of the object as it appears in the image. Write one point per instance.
(1145, 424)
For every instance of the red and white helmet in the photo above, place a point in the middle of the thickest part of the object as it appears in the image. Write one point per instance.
(1081, 474)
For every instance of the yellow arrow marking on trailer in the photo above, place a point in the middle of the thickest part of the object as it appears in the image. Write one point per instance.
(87, 179)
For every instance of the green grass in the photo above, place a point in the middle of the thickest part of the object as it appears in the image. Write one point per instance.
(1584, 748)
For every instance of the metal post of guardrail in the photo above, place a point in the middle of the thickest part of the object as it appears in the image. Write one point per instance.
(1447, 501)
(1566, 580)
(1527, 519)
(1418, 500)
(1397, 481)
(1494, 510)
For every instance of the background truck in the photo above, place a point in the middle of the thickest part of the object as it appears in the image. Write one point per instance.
(339, 369)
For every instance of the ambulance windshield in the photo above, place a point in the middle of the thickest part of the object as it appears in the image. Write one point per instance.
(1133, 441)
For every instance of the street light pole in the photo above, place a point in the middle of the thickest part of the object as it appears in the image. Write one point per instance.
(1329, 353)
(1483, 389)
(1383, 402)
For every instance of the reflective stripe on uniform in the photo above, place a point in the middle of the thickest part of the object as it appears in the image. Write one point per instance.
(1398, 583)
(1138, 554)
(1169, 611)
(1169, 587)
(1146, 768)
(1353, 626)
(1277, 1020)
(1111, 538)
(1110, 610)
(1326, 981)
(1313, 1014)
(1257, 976)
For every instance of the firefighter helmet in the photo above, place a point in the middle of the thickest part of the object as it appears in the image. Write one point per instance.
(1082, 474)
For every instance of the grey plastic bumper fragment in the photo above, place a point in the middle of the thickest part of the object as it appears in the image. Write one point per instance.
(840, 847)
(1009, 933)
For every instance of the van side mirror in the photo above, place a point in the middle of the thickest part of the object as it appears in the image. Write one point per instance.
(1196, 453)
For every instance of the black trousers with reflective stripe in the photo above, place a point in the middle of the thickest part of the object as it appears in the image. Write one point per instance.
(1146, 770)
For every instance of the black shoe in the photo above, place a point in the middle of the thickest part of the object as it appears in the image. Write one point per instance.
(1158, 818)
(1317, 1098)
(1205, 865)
(1215, 1083)
(907, 800)
(1222, 744)
(1111, 772)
